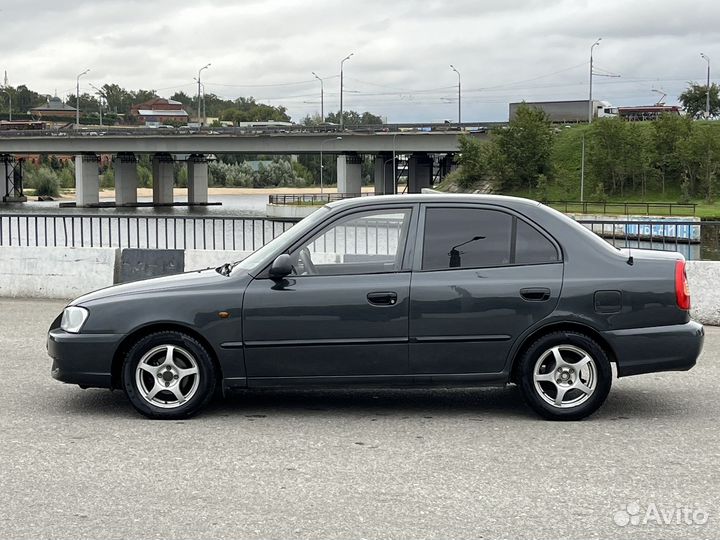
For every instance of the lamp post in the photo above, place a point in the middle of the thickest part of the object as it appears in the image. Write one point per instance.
(707, 88)
(198, 100)
(202, 110)
(590, 99)
(77, 98)
(99, 93)
(322, 98)
(459, 97)
(321, 159)
(341, 87)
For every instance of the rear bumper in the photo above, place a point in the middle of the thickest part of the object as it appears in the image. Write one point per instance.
(84, 359)
(657, 348)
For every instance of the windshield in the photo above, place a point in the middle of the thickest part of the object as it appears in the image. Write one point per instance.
(272, 249)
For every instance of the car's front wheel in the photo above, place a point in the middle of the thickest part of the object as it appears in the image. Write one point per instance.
(565, 376)
(168, 375)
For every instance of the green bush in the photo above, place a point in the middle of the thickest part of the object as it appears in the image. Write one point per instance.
(107, 179)
(46, 183)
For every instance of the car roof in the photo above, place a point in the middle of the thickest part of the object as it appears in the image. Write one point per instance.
(500, 200)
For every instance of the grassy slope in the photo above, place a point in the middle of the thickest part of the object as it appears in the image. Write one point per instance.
(566, 186)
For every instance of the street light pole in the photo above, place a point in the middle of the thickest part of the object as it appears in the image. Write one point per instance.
(198, 100)
(321, 159)
(341, 87)
(459, 97)
(590, 98)
(707, 88)
(322, 98)
(77, 98)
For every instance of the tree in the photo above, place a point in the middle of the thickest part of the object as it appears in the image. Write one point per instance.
(694, 99)
(523, 149)
(700, 157)
(472, 161)
(668, 132)
(607, 147)
(353, 118)
(118, 99)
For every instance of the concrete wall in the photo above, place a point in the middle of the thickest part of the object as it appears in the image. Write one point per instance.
(704, 277)
(55, 272)
(70, 272)
(289, 211)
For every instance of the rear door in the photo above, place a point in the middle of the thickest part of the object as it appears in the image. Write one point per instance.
(482, 276)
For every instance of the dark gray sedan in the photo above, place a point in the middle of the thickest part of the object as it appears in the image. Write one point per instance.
(429, 290)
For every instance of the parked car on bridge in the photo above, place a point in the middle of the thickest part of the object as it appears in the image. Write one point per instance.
(414, 290)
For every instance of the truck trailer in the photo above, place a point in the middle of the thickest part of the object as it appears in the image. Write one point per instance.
(568, 112)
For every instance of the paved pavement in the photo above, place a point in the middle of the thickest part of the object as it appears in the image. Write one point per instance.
(365, 464)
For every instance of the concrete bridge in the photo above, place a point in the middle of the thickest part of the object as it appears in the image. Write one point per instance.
(428, 151)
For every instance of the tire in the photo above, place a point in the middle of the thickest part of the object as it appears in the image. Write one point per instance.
(571, 386)
(168, 375)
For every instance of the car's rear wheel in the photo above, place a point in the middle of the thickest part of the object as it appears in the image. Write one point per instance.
(168, 375)
(565, 376)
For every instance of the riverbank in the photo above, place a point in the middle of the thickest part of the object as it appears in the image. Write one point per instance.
(180, 193)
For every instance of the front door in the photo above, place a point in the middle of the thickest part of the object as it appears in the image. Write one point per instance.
(485, 276)
(342, 315)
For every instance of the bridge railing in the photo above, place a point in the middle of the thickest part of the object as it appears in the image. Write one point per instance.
(696, 240)
(312, 198)
(151, 232)
(627, 208)
(134, 131)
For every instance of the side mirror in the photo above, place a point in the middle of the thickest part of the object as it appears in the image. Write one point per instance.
(281, 267)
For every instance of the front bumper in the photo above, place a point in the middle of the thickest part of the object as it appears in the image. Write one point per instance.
(657, 348)
(83, 359)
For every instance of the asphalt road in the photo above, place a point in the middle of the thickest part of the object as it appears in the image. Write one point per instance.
(352, 464)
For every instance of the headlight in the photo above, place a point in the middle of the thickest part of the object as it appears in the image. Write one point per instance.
(73, 318)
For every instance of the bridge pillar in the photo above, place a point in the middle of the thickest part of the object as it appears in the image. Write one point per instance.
(6, 167)
(197, 178)
(420, 169)
(87, 180)
(126, 179)
(163, 178)
(384, 174)
(447, 165)
(349, 174)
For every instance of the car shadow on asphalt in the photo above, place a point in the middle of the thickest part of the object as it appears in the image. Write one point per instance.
(504, 403)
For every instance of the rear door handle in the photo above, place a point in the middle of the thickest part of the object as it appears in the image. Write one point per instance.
(535, 294)
(382, 298)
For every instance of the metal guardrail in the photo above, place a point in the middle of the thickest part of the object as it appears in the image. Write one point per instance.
(647, 208)
(151, 232)
(312, 198)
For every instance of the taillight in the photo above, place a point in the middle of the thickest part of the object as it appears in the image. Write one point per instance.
(682, 287)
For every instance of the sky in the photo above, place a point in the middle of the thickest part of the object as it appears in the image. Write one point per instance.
(505, 51)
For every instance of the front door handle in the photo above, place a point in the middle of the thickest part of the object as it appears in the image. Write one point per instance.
(535, 294)
(382, 298)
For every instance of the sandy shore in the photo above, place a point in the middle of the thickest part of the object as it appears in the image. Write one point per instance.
(182, 192)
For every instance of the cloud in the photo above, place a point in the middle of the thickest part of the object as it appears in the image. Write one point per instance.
(506, 50)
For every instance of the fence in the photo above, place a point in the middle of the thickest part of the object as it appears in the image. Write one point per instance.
(697, 240)
(627, 208)
(314, 198)
(152, 232)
